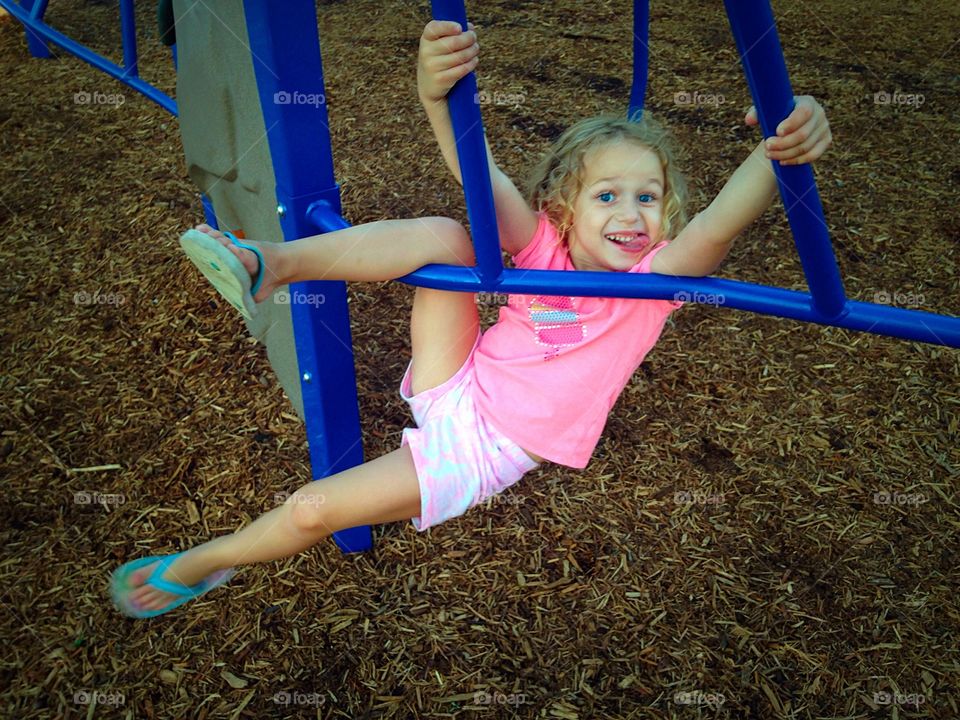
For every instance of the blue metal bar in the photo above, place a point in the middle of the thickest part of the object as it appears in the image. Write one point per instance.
(755, 33)
(641, 52)
(39, 30)
(867, 317)
(35, 44)
(325, 218)
(128, 29)
(472, 155)
(209, 214)
(285, 49)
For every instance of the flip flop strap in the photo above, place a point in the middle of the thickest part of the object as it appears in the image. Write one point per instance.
(235, 241)
(173, 588)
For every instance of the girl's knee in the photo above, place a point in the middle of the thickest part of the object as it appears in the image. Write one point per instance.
(307, 513)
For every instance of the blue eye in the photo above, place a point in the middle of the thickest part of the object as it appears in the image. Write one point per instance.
(605, 196)
(646, 197)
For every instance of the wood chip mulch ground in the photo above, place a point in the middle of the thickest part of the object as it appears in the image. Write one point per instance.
(769, 527)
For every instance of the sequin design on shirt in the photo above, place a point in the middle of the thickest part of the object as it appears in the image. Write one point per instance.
(556, 322)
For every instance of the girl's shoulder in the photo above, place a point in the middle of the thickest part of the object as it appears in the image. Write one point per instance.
(545, 249)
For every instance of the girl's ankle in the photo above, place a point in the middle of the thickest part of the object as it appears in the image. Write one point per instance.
(215, 554)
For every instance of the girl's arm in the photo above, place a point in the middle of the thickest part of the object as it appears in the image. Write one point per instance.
(703, 244)
(446, 55)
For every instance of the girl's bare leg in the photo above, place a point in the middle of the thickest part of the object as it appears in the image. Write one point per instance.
(380, 491)
(385, 489)
(377, 251)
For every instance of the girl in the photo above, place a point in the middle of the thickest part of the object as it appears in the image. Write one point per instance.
(538, 385)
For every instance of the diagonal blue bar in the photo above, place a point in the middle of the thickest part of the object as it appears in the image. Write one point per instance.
(641, 51)
(38, 31)
(35, 43)
(472, 155)
(755, 33)
(129, 35)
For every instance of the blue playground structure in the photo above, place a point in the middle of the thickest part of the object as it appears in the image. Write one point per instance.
(285, 47)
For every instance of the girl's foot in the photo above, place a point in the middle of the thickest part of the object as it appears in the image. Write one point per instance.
(271, 277)
(189, 569)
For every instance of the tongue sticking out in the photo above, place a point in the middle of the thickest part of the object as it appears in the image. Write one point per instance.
(637, 242)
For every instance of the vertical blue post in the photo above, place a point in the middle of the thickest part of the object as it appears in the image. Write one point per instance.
(128, 31)
(472, 156)
(755, 33)
(209, 213)
(285, 51)
(641, 54)
(35, 44)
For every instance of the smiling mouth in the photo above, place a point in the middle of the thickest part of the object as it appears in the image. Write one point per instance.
(630, 241)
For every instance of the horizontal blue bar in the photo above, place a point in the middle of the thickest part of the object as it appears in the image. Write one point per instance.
(867, 317)
(88, 56)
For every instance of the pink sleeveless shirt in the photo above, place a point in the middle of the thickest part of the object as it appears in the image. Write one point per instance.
(551, 368)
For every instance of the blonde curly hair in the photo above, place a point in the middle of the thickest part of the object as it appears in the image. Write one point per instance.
(557, 179)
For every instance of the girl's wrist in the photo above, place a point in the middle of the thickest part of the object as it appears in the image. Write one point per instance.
(427, 98)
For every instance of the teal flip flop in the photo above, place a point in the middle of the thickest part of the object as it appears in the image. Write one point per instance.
(222, 268)
(120, 588)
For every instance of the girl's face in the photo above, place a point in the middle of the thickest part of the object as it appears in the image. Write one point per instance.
(618, 212)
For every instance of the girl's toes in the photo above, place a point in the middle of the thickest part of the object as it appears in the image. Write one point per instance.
(151, 601)
(138, 577)
(204, 228)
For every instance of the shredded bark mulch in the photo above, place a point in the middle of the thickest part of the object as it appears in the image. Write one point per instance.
(768, 528)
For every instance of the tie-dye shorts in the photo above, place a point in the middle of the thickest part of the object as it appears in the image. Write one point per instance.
(461, 459)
